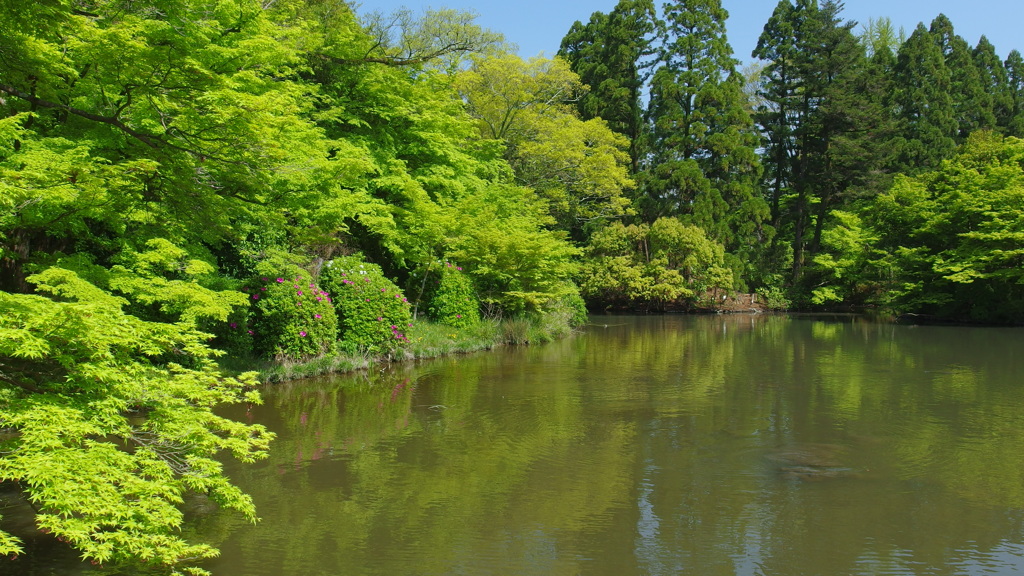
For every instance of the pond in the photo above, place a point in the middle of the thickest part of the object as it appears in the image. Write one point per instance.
(663, 445)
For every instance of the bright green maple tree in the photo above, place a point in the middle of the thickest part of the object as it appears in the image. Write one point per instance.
(109, 421)
(653, 265)
(580, 167)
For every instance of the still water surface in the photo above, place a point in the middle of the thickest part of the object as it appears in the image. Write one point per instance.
(707, 445)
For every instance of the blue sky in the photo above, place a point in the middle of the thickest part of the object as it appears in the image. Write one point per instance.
(538, 25)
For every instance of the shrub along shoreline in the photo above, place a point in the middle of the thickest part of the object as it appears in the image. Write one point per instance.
(426, 340)
(350, 316)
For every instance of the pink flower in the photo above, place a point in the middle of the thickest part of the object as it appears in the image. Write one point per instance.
(459, 268)
(264, 278)
(251, 332)
(255, 296)
(280, 280)
(379, 319)
(233, 325)
(317, 316)
(299, 292)
(303, 334)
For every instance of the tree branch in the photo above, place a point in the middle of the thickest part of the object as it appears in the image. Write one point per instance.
(147, 139)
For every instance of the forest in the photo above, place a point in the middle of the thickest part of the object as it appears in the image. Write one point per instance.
(186, 182)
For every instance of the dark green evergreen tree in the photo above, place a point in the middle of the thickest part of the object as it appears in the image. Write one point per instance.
(610, 53)
(848, 132)
(780, 111)
(703, 144)
(922, 104)
(972, 105)
(581, 48)
(1015, 79)
(994, 82)
(823, 118)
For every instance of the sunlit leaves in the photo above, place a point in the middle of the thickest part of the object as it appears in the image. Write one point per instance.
(946, 242)
(110, 430)
(506, 93)
(517, 264)
(579, 166)
(666, 263)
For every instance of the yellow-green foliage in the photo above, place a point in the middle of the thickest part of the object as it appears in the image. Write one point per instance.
(950, 241)
(652, 265)
(108, 428)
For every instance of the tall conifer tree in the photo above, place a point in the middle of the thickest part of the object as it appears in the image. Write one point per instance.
(1015, 79)
(703, 143)
(610, 53)
(848, 127)
(781, 108)
(972, 106)
(923, 105)
(822, 112)
(992, 74)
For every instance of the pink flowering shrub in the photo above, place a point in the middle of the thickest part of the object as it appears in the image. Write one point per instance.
(454, 300)
(291, 317)
(373, 314)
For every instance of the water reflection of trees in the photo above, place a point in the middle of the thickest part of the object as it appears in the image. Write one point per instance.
(641, 446)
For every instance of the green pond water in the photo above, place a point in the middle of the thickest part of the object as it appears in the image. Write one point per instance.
(665, 445)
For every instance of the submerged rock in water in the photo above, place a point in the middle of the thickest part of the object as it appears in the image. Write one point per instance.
(817, 473)
(810, 455)
(813, 462)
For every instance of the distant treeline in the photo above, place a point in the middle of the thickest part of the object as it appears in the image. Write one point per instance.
(826, 117)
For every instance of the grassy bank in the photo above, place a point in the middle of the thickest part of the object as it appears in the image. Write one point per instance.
(425, 340)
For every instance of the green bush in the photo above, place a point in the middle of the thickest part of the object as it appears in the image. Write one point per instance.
(454, 302)
(577, 308)
(234, 335)
(373, 314)
(773, 297)
(291, 318)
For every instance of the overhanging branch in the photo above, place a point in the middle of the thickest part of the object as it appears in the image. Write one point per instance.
(148, 139)
(151, 140)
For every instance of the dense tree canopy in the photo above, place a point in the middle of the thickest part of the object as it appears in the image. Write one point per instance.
(174, 175)
(180, 179)
(612, 55)
(837, 115)
(580, 167)
(944, 243)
